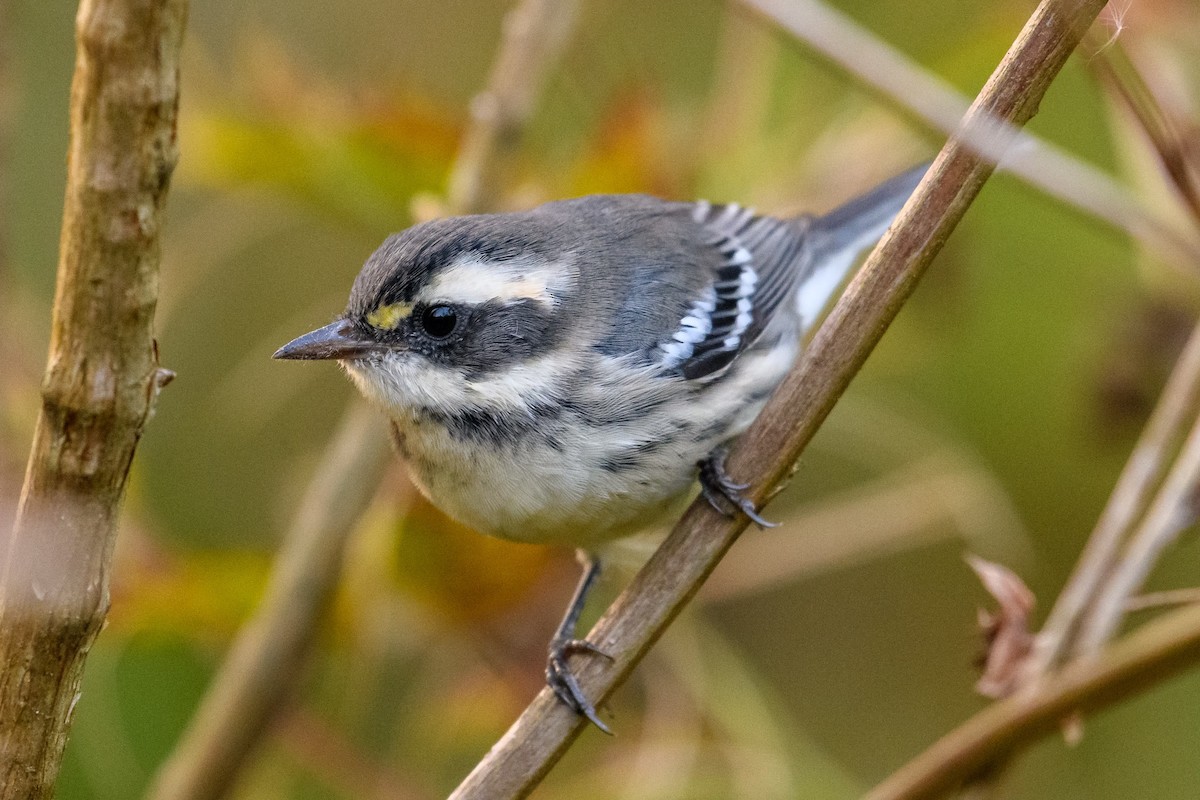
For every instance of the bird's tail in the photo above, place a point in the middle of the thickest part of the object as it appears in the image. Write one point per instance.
(838, 238)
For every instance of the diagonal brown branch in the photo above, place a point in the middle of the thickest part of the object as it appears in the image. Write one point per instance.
(101, 379)
(767, 452)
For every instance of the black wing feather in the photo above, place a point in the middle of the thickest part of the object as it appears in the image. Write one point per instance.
(759, 268)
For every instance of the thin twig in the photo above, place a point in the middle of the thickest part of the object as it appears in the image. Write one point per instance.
(765, 455)
(1174, 508)
(1144, 472)
(1161, 439)
(923, 96)
(535, 33)
(1147, 657)
(1151, 502)
(101, 380)
(1119, 73)
(1168, 597)
(264, 661)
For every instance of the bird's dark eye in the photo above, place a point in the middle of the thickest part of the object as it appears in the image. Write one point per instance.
(439, 321)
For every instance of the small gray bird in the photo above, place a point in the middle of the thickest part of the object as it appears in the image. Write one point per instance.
(566, 374)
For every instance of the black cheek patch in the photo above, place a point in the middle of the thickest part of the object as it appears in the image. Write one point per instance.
(502, 334)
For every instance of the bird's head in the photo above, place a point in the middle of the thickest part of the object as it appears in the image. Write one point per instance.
(452, 313)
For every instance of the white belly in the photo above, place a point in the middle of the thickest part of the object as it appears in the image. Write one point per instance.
(534, 492)
(611, 456)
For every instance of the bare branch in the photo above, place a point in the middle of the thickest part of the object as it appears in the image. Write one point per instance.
(535, 32)
(765, 455)
(1118, 72)
(1174, 508)
(1143, 474)
(1160, 441)
(101, 379)
(1154, 653)
(1169, 597)
(1153, 499)
(921, 95)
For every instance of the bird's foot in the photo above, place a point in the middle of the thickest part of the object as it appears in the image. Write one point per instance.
(723, 494)
(560, 678)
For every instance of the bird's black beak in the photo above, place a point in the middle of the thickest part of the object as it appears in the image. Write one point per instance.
(339, 339)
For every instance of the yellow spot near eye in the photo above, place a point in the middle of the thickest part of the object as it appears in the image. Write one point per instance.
(388, 318)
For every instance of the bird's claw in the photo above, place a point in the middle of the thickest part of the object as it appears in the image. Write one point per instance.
(560, 678)
(723, 494)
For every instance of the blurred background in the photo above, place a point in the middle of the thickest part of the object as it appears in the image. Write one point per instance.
(992, 419)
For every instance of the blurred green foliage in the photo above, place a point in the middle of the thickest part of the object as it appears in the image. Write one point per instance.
(1023, 368)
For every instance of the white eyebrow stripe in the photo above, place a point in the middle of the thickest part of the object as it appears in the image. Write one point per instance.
(472, 280)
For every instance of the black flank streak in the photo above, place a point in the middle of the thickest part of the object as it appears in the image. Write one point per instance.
(479, 425)
(494, 428)
(714, 430)
(547, 411)
(651, 446)
(635, 457)
(399, 442)
(598, 414)
(621, 462)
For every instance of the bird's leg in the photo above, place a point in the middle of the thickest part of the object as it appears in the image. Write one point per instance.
(723, 494)
(564, 644)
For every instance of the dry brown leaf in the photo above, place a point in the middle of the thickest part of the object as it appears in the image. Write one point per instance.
(1006, 631)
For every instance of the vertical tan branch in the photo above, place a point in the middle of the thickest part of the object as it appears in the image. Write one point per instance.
(535, 32)
(101, 379)
(765, 455)
(1167, 136)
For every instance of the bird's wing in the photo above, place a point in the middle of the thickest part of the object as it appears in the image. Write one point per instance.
(757, 269)
(764, 262)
